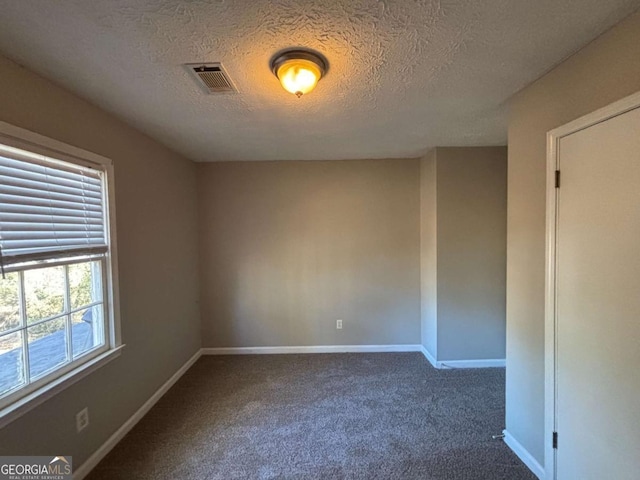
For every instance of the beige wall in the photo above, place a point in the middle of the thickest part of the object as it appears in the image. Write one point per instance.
(605, 71)
(287, 248)
(463, 246)
(429, 253)
(472, 235)
(157, 246)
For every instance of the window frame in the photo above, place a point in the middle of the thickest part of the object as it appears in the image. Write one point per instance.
(32, 394)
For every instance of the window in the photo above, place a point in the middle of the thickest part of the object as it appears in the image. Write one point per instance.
(57, 297)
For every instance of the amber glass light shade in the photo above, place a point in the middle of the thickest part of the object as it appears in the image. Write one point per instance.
(298, 71)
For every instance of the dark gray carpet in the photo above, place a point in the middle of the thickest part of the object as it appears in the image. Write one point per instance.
(325, 416)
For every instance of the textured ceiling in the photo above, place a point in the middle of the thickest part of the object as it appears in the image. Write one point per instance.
(404, 76)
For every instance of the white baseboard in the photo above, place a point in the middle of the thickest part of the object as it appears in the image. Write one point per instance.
(311, 349)
(432, 360)
(354, 349)
(488, 363)
(444, 364)
(524, 455)
(107, 446)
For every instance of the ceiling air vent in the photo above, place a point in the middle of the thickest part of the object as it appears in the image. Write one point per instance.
(212, 77)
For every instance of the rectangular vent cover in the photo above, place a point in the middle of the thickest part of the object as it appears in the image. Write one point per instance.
(211, 77)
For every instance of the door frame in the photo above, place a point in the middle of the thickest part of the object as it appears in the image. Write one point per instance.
(553, 158)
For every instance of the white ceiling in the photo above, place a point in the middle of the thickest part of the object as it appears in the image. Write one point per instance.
(404, 76)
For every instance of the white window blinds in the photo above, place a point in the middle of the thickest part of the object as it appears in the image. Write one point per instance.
(49, 208)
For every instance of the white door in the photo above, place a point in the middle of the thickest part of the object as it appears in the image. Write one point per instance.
(598, 301)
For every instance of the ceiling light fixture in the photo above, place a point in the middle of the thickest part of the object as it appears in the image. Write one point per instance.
(298, 70)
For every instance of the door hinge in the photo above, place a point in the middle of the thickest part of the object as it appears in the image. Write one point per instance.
(557, 178)
(555, 440)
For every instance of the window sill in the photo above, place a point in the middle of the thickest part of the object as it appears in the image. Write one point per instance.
(22, 406)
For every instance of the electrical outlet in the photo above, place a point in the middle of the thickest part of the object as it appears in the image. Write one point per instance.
(82, 419)
(339, 324)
